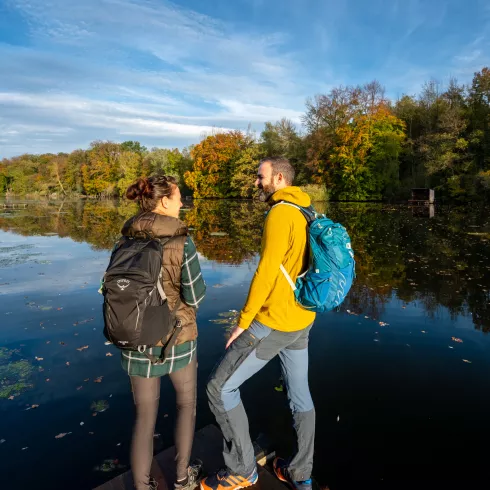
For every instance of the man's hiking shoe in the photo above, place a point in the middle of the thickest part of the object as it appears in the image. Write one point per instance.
(282, 472)
(226, 480)
(193, 474)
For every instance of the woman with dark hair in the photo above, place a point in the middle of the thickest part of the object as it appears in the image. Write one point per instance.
(160, 202)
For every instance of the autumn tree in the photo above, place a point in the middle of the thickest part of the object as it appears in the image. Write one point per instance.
(215, 160)
(354, 142)
(99, 173)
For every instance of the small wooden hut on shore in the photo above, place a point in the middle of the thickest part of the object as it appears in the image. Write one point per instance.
(422, 197)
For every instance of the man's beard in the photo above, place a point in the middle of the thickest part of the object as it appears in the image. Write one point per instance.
(265, 192)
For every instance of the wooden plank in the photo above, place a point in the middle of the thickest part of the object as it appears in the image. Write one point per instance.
(117, 483)
(268, 481)
(157, 473)
(208, 447)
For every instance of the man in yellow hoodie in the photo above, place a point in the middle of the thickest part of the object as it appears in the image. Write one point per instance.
(271, 323)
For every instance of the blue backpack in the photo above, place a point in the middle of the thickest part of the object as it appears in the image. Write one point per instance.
(331, 268)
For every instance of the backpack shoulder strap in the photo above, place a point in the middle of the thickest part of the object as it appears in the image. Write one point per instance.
(163, 242)
(309, 213)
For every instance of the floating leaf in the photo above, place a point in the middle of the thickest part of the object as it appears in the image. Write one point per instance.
(455, 339)
(62, 434)
(83, 321)
(80, 349)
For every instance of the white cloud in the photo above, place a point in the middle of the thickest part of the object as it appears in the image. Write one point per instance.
(110, 69)
(470, 57)
(121, 67)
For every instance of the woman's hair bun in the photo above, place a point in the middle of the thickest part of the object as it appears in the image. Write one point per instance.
(141, 188)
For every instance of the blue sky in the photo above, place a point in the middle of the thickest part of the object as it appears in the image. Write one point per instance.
(167, 73)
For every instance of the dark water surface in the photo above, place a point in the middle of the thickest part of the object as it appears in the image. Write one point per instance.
(400, 375)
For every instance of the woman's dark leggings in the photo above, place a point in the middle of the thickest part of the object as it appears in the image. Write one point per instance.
(146, 393)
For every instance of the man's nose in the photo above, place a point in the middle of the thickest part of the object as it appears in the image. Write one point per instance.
(257, 182)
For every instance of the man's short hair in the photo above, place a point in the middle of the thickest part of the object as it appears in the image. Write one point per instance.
(280, 165)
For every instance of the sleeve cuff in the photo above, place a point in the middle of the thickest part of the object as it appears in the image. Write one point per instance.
(243, 323)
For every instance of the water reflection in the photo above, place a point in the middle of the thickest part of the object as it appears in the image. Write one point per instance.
(442, 261)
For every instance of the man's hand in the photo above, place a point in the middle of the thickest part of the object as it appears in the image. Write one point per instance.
(235, 333)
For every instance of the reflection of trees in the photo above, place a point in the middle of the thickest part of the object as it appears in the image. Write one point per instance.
(96, 222)
(439, 262)
(240, 220)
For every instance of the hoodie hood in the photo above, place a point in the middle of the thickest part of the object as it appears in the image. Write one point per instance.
(291, 194)
(154, 224)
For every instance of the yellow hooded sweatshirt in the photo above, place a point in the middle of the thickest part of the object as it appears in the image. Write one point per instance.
(271, 299)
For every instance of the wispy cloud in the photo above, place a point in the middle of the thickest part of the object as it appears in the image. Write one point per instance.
(148, 69)
(165, 74)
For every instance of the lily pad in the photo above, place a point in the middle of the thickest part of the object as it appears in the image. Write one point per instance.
(15, 376)
(109, 465)
(99, 406)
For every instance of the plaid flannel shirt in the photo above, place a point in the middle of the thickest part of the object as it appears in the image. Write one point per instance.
(193, 290)
(193, 287)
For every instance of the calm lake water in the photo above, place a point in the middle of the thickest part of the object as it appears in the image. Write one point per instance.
(400, 375)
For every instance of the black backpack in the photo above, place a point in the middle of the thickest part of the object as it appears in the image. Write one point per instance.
(136, 311)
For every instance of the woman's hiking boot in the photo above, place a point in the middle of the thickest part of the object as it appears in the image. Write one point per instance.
(193, 475)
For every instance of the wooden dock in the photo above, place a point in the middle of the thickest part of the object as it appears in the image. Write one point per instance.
(208, 445)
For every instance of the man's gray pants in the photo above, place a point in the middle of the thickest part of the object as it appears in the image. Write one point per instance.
(247, 355)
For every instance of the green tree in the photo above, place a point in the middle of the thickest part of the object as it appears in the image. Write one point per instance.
(135, 147)
(74, 178)
(282, 139)
(479, 118)
(242, 182)
(129, 170)
(99, 173)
